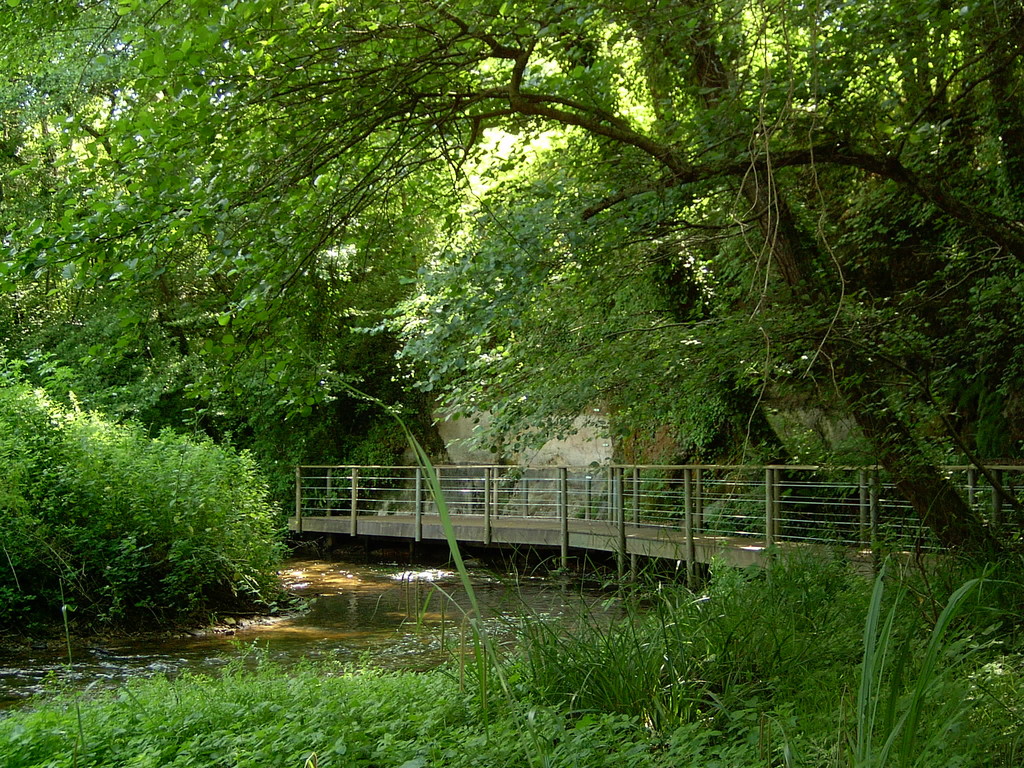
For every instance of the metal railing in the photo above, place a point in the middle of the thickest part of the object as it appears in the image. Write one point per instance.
(852, 506)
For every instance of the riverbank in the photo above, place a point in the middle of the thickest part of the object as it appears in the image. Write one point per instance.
(764, 669)
(392, 615)
(54, 638)
(48, 660)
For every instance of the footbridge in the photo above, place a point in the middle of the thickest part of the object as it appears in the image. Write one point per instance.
(690, 513)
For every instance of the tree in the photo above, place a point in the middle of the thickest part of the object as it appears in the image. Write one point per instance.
(775, 195)
(239, 311)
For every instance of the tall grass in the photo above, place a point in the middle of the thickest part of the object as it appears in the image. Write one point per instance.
(776, 646)
(487, 662)
(680, 657)
(898, 681)
(807, 661)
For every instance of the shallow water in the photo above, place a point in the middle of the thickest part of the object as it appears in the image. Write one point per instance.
(389, 616)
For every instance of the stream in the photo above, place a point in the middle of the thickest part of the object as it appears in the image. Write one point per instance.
(391, 616)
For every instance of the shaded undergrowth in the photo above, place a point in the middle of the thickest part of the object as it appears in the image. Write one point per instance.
(804, 664)
(809, 661)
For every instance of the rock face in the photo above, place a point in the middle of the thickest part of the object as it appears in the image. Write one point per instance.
(590, 444)
(457, 436)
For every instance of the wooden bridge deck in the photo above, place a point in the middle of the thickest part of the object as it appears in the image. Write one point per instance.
(691, 513)
(644, 540)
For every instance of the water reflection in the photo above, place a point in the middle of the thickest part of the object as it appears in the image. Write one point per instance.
(389, 616)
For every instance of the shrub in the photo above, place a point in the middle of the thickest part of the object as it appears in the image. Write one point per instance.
(121, 526)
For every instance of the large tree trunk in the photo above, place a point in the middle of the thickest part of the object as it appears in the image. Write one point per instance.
(937, 503)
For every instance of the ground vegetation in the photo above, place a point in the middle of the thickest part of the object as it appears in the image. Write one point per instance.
(801, 665)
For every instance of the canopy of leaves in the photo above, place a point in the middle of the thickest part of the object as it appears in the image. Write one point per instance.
(691, 213)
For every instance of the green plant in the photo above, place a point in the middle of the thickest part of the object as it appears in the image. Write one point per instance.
(896, 688)
(348, 718)
(782, 634)
(124, 526)
(640, 666)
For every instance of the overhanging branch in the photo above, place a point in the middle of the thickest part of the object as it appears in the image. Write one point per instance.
(1005, 232)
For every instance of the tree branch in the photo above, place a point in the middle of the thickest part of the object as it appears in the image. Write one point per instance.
(1004, 232)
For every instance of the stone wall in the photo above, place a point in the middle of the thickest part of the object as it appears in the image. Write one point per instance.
(588, 445)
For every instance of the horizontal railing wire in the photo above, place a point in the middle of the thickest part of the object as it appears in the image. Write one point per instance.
(850, 506)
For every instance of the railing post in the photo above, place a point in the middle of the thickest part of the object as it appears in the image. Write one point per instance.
(609, 483)
(329, 499)
(633, 557)
(972, 486)
(698, 499)
(563, 513)
(691, 549)
(620, 520)
(488, 476)
(769, 508)
(864, 509)
(586, 509)
(298, 499)
(997, 498)
(418, 505)
(496, 480)
(777, 502)
(525, 492)
(874, 494)
(355, 502)
(440, 489)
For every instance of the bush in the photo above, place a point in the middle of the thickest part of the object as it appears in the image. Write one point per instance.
(779, 658)
(123, 527)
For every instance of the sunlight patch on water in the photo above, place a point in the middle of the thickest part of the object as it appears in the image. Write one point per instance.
(428, 575)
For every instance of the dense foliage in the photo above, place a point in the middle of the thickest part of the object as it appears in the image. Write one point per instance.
(121, 528)
(169, 318)
(711, 220)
